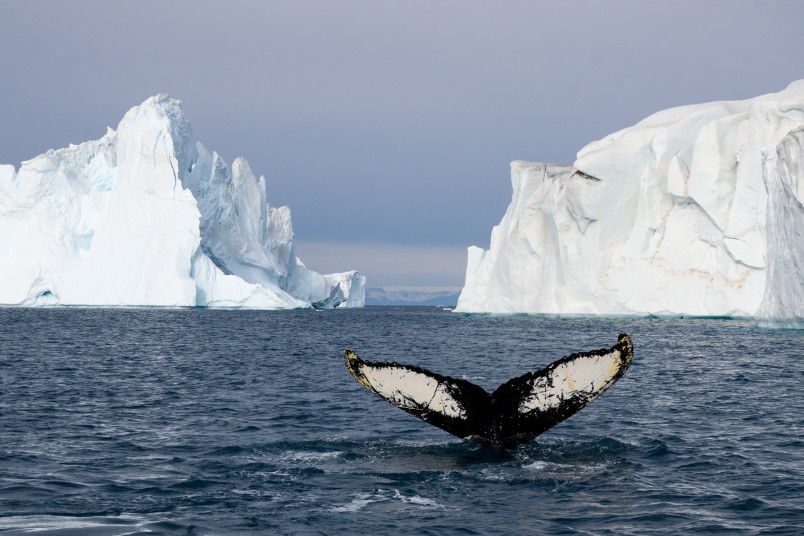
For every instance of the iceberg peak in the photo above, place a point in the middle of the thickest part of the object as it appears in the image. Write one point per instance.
(147, 216)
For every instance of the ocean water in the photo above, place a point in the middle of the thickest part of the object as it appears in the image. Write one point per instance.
(193, 421)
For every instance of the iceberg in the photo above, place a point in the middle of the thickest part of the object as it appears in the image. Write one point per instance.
(696, 210)
(145, 216)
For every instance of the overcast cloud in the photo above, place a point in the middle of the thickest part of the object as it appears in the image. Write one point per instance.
(387, 126)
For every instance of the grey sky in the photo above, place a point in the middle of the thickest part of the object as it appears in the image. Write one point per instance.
(387, 126)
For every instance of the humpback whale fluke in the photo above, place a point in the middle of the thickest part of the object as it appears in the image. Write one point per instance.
(516, 412)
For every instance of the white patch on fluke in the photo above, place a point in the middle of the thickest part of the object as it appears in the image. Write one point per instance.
(412, 390)
(586, 376)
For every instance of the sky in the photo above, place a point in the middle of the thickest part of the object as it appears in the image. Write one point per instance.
(388, 127)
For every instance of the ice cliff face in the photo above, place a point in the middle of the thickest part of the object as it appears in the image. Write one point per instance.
(145, 216)
(695, 210)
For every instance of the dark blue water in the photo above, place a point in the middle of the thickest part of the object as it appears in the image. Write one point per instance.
(224, 422)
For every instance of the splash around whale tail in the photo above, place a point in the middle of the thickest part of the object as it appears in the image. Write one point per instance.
(516, 412)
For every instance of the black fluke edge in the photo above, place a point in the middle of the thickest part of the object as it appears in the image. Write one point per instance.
(516, 412)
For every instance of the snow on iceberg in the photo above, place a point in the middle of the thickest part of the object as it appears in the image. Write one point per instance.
(695, 210)
(145, 216)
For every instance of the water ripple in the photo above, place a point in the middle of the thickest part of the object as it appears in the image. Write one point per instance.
(218, 422)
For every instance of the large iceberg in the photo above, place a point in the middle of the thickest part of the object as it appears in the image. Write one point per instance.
(145, 216)
(695, 210)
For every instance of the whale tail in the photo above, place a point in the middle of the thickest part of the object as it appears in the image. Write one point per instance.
(516, 412)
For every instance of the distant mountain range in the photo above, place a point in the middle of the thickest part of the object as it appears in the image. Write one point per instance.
(412, 296)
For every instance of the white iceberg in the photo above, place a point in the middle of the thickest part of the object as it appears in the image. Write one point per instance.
(695, 210)
(145, 216)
